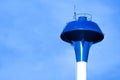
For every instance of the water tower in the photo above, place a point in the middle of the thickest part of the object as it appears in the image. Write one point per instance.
(82, 33)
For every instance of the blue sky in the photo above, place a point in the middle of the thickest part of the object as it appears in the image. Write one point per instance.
(31, 49)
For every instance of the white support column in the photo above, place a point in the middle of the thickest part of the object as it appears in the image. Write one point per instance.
(81, 70)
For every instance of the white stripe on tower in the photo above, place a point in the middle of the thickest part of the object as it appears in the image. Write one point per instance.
(81, 70)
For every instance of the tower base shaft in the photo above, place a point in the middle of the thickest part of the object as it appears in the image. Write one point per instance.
(81, 70)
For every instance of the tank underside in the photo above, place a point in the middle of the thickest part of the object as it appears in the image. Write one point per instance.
(77, 35)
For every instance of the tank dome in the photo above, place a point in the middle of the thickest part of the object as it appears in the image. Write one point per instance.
(82, 29)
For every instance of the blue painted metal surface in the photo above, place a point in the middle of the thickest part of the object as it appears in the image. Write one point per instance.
(82, 29)
(82, 34)
(81, 50)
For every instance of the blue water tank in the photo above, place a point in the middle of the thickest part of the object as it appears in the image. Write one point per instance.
(82, 29)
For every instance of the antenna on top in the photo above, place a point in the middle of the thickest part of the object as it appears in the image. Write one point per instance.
(75, 14)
